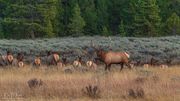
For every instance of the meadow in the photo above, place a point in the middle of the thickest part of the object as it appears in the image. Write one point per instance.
(137, 84)
(84, 84)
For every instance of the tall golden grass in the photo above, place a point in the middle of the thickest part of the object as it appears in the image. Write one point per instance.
(158, 84)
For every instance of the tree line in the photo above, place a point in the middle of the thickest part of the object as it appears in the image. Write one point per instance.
(58, 18)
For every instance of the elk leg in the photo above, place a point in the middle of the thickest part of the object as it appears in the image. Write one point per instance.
(109, 67)
(106, 67)
(122, 66)
(129, 66)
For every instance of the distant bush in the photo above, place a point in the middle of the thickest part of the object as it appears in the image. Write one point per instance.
(91, 91)
(34, 83)
(136, 93)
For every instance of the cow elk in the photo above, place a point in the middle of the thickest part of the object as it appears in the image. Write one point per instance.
(20, 64)
(91, 65)
(77, 63)
(9, 58)
(37, 61)
(53, 58)
(20, 58)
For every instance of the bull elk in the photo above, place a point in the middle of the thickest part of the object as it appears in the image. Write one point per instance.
(113, 58)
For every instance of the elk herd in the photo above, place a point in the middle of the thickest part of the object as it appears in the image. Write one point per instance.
(55, 59)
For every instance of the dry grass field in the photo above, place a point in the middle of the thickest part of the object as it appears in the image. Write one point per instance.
(138, 84)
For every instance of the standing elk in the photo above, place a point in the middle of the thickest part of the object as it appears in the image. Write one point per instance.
(113, 58)
(9, 58)
(6, 59)
(53, 58)
(20, 58)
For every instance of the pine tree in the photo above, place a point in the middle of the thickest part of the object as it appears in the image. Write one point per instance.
(102, 13)
(122, 31)
(168, 7)
(90, 16)
(49, 29)
(3, 6)
(119, 10)
(29, 19)
(1, 29)
(172, 26)
(77, 22)
(68, 6)
(59, 28)
(105, 31)
(147, 19)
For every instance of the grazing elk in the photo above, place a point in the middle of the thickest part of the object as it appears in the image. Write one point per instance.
(77, 63)
(53, 58)
(113, 58)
